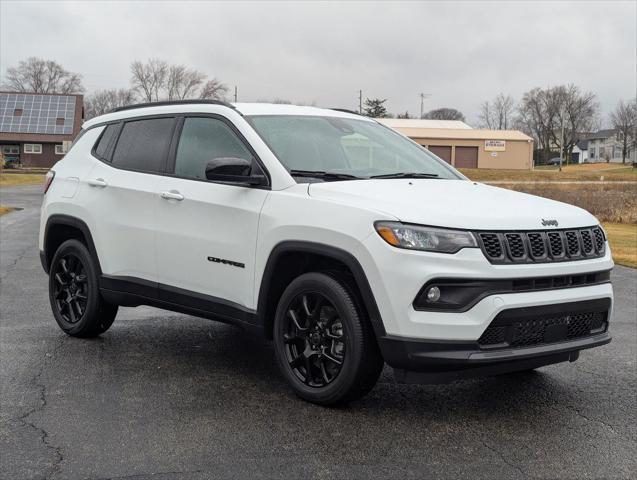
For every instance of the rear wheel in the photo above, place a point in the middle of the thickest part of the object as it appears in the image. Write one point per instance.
(325, 346)
(74, 294)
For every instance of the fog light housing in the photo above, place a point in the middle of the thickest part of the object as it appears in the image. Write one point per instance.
(433, 294)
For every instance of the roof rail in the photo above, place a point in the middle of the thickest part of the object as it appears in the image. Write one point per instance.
(172, 102)
(344, 110)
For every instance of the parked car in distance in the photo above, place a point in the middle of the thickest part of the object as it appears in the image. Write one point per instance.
(347, 244)
(555, 161)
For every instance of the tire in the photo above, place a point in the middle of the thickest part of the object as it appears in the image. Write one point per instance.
(77, 305)
(318, 323)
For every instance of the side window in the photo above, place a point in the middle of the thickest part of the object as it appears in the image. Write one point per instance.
(101, 147)
(143, 144)
(202, 140)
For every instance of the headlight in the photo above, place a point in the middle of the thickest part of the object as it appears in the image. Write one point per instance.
(415, 237)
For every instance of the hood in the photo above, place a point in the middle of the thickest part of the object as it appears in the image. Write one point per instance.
(453, 204)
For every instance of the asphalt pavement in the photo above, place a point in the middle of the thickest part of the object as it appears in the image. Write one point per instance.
(165, 396)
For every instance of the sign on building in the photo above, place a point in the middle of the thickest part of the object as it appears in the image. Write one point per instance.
(494, 145)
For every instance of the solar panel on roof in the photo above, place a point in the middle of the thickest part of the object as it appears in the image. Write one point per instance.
(28, 113)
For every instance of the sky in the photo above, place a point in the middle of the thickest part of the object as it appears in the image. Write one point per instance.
(323, 53)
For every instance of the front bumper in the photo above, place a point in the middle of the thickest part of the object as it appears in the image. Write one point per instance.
(425, 361)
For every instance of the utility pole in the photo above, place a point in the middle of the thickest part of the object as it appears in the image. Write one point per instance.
(422, 103)
(562, 141)
(235, 94)
(360, 102)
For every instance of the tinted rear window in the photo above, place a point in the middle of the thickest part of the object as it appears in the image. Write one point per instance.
(143, 144)
(101, 147)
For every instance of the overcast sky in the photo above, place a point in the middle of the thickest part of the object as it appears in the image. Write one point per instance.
(324, 52)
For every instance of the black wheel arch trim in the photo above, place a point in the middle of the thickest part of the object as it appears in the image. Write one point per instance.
(335, 253)
(71, 221)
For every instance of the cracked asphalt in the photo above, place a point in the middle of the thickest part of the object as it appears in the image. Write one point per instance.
(166, 396)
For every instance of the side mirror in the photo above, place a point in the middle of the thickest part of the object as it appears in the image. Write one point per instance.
(233, 170)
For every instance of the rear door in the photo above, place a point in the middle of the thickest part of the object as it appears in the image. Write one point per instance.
(207, 231)
(122, 196)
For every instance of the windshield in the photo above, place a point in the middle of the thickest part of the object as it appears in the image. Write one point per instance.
(333, 148)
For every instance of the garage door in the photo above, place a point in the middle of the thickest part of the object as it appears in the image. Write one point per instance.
(466, 157)
(442, 152)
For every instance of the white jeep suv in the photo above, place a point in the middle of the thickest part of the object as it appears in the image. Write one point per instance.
(344, 242)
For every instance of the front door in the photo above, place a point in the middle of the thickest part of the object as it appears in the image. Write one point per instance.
(206, 231)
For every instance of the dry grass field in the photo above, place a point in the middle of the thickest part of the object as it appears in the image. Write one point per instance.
(623, 242)
(7, 179)
(610, 172)
(609, 202)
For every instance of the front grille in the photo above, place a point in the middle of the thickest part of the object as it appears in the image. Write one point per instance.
(572, 243)
(543, 330)
(538, 248)
(542, 246)
(587, 242)
(492, 245)
(516, 245)
(555, 244)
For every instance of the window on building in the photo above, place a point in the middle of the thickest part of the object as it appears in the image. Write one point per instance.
(33, 148)
(143, 144)
(17, 112)
(617, 152)
(11, 149)
(59, 149)
(202, 140)
(59, 121)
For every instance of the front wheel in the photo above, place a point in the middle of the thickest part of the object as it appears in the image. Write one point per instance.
(325, 346)
(77, 305)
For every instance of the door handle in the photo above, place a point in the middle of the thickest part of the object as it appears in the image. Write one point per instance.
(97, 182)
(172, 195)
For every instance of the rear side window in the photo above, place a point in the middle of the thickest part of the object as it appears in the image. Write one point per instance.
(204, 139)
(143, 144)
(101, 147)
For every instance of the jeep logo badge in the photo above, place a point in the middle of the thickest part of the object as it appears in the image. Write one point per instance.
(549, 223)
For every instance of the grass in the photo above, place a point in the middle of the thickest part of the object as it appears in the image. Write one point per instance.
(623, 243)
(610, 172)
(11, 179)
(616, 203)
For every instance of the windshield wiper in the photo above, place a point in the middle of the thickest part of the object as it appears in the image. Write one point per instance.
(323, 175)
(406, 175)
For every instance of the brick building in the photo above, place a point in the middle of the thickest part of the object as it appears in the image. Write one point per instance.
(37, 129)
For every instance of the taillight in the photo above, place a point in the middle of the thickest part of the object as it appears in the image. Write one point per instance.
(48, 180)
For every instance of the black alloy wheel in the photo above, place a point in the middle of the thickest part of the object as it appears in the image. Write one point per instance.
(74, 293)
(314, 339)
(71, 288)
(324, 343)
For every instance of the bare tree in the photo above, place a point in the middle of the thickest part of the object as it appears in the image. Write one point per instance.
(577, 110)
(624, 120)
(103, 101)
(157, 80)
(543, 112)
(498, 113)
(213, 89)
(444, 114)
(182, 83)
(405, 115)
(36, 75)
(149, 79)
